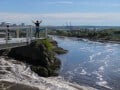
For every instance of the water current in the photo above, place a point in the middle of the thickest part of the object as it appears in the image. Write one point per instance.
(90, 63)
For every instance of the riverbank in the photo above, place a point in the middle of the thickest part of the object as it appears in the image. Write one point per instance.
(103, 40)
(95, 40)
(105, 36)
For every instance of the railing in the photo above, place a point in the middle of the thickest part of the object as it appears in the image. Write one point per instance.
(27, 32)
(15, 36)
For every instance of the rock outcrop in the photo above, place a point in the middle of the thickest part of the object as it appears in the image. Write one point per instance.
(57, 49)
(40, 56)
(5, 85)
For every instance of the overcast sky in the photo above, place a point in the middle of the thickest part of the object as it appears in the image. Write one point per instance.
(58, 12)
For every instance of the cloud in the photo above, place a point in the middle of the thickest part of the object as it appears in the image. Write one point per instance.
(100, 4)
(84, 16)
(61, 2)
(61, 18)
(92, 3)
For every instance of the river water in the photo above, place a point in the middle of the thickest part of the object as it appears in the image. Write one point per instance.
(90, 63)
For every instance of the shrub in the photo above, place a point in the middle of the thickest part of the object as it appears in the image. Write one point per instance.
(47, 44)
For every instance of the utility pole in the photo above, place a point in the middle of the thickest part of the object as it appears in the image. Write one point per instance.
(7, 34)
(46, 33)
(18, 32)
(31, 32)
(27, 35)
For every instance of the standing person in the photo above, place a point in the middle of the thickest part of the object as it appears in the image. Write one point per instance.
(8, 32)
(37, 24)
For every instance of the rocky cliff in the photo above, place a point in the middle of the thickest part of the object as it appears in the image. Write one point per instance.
(40, 55)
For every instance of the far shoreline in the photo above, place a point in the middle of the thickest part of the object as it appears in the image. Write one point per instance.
(95, 40)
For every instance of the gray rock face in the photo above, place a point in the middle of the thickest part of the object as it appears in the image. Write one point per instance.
(5, 85)
(1, 52)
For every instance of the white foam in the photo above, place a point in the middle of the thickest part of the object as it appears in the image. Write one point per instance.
(99, 76)
(104, 84)
(101, 69)
(21, 73)
(83, 72)
(93, 56)
(108, 45)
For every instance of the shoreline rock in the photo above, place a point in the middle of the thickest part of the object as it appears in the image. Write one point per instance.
(58, 49)
(6, 85)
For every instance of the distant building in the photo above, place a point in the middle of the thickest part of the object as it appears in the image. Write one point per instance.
(14, 25)
(22, 24)
(3, 24)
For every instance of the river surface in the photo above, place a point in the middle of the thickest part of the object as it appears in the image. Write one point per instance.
(90, 63)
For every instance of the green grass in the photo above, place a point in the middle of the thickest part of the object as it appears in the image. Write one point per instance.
(45, 42)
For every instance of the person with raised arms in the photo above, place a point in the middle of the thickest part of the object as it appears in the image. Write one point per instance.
(37, 24)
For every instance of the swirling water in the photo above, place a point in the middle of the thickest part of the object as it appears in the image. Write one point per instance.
(19, 73)
(90, 63)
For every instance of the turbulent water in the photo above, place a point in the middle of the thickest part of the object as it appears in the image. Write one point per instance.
(90, 63)
(13, 71)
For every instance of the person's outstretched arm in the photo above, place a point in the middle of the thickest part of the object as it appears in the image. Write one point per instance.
(33, 22)
(40, 21)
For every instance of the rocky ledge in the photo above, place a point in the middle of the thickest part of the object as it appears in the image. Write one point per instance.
(40, 55)
(57, 49)
(6, 85)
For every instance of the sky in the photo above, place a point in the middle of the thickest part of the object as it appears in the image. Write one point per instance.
(61, 12)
